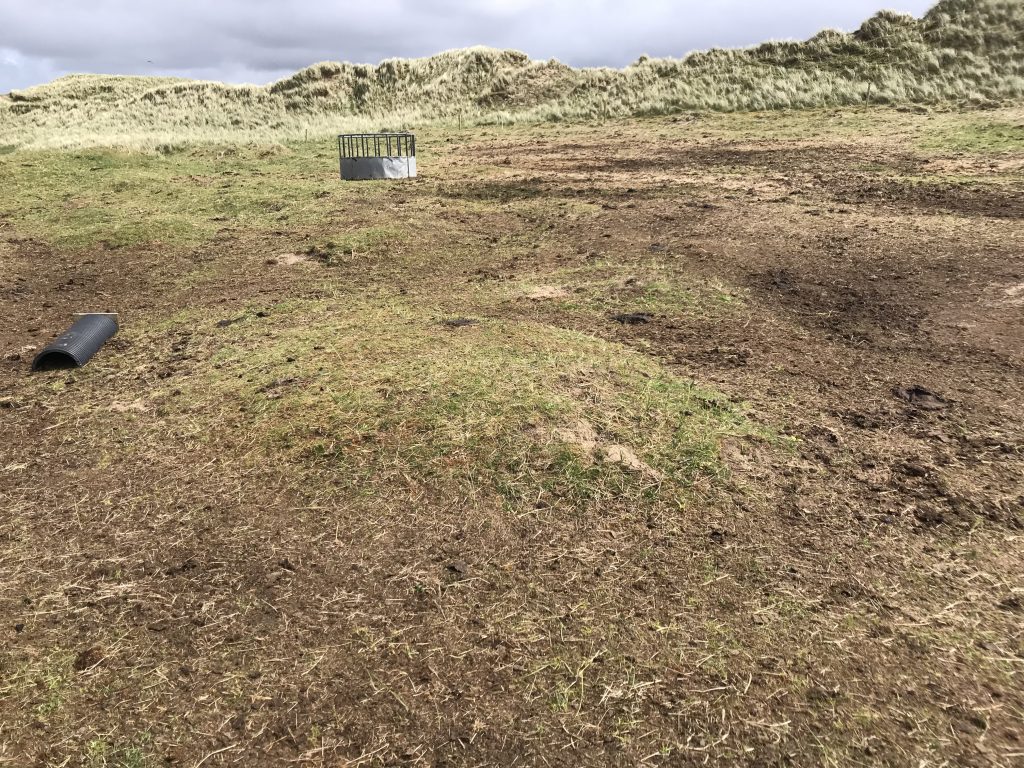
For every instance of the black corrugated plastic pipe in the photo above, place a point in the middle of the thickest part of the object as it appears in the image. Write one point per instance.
(78, 344)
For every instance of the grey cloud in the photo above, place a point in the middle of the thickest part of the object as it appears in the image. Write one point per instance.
(261, 40)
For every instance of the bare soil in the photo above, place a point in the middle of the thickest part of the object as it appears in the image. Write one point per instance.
(849, 593)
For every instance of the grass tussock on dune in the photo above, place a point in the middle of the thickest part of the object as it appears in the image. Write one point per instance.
(962, 52)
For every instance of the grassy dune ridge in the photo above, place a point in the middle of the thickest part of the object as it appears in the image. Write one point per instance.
(961, 52)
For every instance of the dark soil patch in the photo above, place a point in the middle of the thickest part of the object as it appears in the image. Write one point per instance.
(998, 201)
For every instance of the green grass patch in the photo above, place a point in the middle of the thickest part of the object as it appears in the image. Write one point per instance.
(358, 242)
(978, 137)
(99, 753)
(387, 394)
(120, 198)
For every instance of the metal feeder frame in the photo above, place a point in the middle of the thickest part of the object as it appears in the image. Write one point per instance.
(376, 156)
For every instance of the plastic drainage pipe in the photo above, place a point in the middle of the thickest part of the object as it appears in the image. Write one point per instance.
(76, 346)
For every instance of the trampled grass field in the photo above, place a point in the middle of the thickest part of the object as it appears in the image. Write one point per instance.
(689, 440)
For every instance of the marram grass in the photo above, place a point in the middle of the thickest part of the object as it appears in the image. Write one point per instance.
(967, 52)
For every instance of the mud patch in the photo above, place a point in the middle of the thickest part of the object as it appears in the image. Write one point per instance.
(840, 301)
(459, 322)
(921, 398)
(633, 318)
(997, 201)
(781, 158)
(744, 459)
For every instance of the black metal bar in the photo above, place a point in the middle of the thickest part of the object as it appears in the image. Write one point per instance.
(375, 146)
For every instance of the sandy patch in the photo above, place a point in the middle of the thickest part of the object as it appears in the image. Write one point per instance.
(289, 259)
(580, 434)
(547, 293)
(621, 454)
(1015, 295)
(585, 437)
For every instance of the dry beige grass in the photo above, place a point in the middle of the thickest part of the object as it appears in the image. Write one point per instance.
(964, 52)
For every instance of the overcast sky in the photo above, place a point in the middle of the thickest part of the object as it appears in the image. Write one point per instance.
(258, 41)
